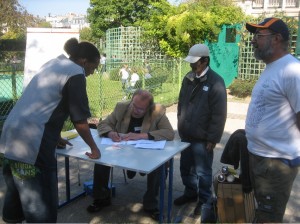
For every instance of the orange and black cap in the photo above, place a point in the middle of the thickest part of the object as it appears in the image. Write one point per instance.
(274, 24)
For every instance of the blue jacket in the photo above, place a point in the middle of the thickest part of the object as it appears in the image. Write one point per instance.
(202, 108)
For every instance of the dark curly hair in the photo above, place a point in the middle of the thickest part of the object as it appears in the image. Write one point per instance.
(77, 50)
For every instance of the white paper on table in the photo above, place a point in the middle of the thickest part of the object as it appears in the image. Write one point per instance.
(109, 141)
(144, 144)
(150, 144)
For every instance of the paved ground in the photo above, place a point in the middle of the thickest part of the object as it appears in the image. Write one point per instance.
(126, 205)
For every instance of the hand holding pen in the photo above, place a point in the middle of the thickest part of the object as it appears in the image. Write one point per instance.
(115, 136)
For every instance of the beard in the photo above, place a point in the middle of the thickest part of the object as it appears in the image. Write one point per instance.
(265, 52)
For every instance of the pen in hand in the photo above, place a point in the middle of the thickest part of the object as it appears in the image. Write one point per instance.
(119, 136)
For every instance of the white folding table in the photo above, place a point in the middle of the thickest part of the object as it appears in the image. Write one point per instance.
(130, 158)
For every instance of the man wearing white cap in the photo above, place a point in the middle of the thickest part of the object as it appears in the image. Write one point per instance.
(202, 110)
(273, 121)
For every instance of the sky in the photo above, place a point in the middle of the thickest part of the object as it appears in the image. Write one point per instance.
(55, 7)
(58, 7)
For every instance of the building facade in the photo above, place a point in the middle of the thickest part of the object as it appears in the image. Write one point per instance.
(269, 7)
(70, 20)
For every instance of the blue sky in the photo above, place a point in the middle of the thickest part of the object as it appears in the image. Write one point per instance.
(57, 7)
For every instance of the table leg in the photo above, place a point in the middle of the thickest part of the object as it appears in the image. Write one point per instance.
(170, 193)
(67, 173)
(68, 190)
(162, 196)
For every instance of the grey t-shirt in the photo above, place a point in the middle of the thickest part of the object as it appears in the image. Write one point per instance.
(33, 126)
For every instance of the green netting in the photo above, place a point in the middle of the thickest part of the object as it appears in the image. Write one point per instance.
(11, 86)
(231, 57)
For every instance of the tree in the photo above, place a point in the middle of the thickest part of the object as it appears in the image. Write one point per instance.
(14, 17)
(193, 22)
(14, 21)
(106, 14)
(174, 29)
(87, 35)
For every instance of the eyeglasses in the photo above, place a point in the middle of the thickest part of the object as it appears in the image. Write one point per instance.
(259, 35)
(139, 109)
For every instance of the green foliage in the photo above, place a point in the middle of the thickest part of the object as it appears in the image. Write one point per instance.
(242, 88)
(86, 34)
(44, 24)
(178, 28)
(173, 28)
(106, 14)
(114, 74)
(15, 17)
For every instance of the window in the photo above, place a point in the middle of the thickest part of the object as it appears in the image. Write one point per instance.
(230, 35)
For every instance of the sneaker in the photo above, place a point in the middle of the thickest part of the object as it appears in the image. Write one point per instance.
(98, 204)
(184, 199)
(130, 174)
(153, 213)
(197, 210)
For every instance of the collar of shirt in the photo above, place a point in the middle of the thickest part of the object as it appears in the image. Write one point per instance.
(203, 73)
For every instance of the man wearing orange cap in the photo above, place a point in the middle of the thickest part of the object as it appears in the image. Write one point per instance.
(202, 110)
(273, 121)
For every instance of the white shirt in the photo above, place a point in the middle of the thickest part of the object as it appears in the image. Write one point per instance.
(271, 125)
(134, 78)
(124, 73)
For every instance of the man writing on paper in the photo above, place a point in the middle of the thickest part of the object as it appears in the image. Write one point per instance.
(137, 119)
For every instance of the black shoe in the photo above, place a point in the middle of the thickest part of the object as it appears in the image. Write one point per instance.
(153, 213)
(184, 199)
(130, 174)
(98, 205)
(142, 174)
(197, 210)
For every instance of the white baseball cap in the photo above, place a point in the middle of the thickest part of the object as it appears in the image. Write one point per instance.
(196, 52)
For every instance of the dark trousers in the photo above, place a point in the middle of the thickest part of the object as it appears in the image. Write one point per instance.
(31, 193)
(101, 179)
(272, 181)
(196, 171)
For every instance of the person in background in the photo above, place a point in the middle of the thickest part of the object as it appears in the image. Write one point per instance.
(147, 70)
(273, 121)
(137, 119)
(124, 74)
(31, 133)
(202, 111)
(103, 63)
(134, 78)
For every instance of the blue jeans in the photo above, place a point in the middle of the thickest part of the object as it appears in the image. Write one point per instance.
(31, 193)
(196, 171)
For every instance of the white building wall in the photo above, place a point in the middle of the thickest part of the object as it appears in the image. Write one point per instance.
(269, 7)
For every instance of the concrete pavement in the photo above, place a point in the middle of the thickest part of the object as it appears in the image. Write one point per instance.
(127, 204)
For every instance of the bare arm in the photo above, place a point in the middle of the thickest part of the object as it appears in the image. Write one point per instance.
(83, 130)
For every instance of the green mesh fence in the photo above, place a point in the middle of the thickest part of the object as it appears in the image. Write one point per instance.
(105, 89)
(231, 57)
(11, 85)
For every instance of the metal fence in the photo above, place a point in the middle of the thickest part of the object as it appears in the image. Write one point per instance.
(105, 88)
(11, 85)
